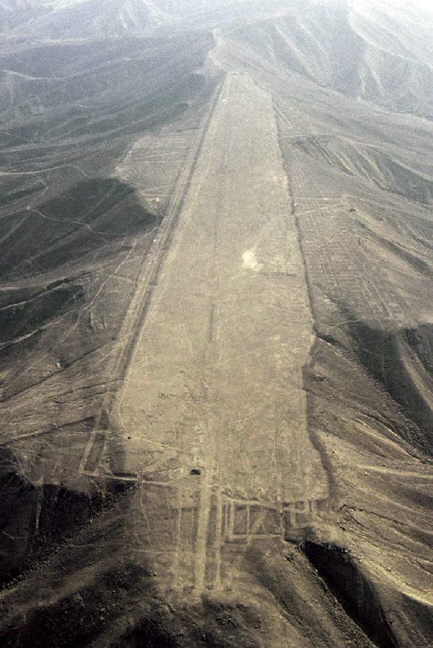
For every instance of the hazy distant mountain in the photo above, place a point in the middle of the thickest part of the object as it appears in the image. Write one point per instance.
(381, 54)
(82, 18)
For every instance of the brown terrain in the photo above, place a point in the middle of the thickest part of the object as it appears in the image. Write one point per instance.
(216, 333)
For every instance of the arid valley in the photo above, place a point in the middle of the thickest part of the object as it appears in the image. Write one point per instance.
(216, 324)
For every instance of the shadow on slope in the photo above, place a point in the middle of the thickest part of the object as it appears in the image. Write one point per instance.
(92, 585)
(91, 237)
(97, 588)
(83, 220)
(381, 546)
(353, 589)
(36, 518)
(402, 361)
(369, 163)
(24, 310)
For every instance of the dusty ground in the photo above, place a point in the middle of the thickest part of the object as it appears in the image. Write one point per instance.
(212, 403)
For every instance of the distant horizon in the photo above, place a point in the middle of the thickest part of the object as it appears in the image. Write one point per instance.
(425, 5)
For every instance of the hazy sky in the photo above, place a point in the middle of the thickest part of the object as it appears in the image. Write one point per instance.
(427, 5)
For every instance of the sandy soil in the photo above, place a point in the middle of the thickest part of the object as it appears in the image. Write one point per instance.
(212, 402)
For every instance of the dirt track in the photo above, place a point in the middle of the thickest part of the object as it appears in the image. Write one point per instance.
(212, 404)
